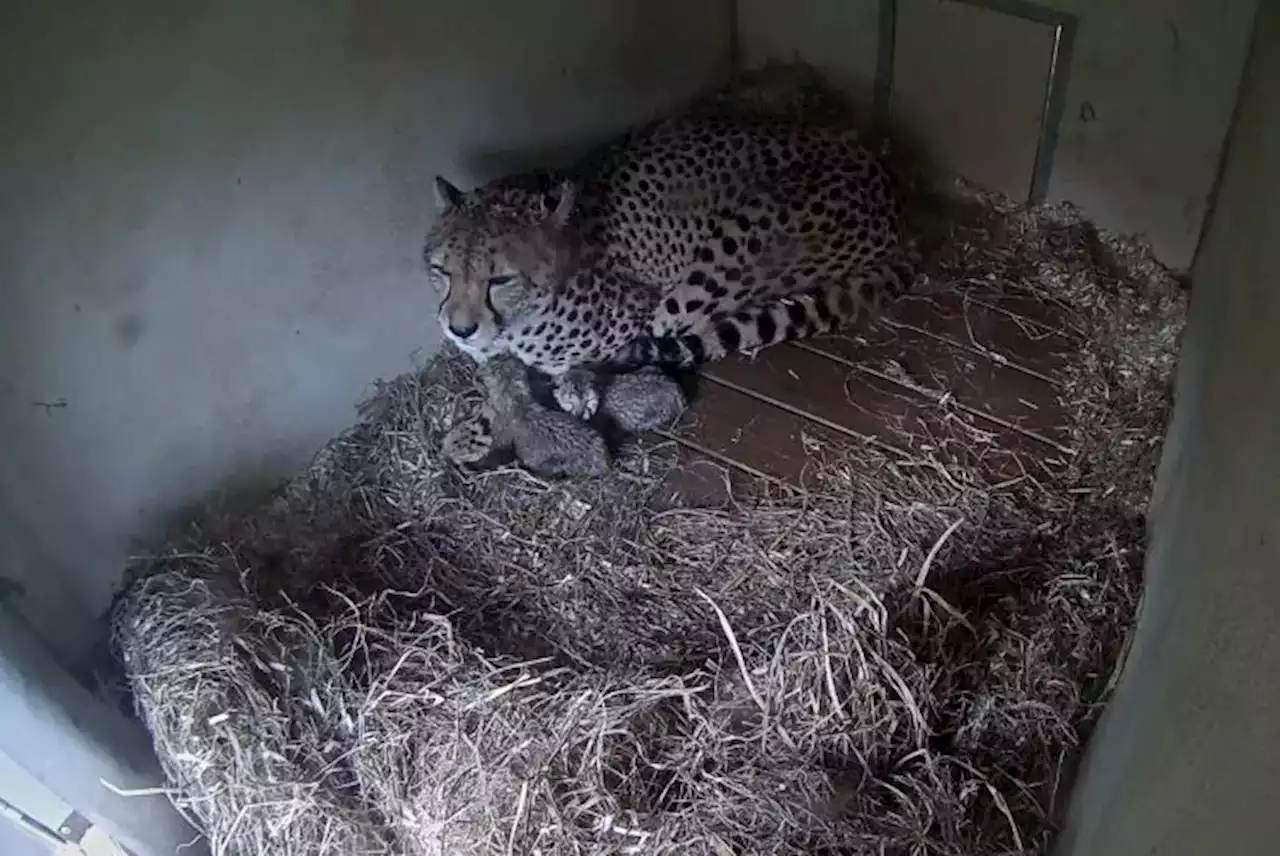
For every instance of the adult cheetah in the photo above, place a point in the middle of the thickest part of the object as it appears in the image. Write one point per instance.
(689, 239)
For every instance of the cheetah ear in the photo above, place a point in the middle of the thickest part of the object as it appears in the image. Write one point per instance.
(559, 203)
(447, 195)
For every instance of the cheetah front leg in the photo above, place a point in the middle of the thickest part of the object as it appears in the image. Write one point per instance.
(577, 392)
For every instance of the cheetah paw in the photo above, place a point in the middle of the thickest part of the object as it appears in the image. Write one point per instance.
(577, 395)
(469, 442)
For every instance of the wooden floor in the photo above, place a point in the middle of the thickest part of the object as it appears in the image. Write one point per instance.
(991, 361)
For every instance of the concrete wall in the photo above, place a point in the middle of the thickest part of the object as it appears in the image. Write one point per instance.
(210, 225)
(1153, 85)
(1187, 759)
(1149, 98)
(60, 744)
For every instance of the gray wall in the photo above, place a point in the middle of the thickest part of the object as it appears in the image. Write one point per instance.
(1149, 98)
(1187, 760)
(210, 218)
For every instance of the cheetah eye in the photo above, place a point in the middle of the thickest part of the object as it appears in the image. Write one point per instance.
(440, 270)
(499, 281)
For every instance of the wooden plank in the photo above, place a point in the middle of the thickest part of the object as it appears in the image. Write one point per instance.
(1027, 334)
(965, 380)
(863, 404)
(983, 362)
(768, 446)
(700, 481)
(826, 393)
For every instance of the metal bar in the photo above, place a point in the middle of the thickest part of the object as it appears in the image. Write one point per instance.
(1055, 103)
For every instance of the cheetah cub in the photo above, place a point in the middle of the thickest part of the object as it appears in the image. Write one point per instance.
(546, 441)
(552, 442)
(642, 400)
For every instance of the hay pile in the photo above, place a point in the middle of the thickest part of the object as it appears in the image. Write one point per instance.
(393, 657)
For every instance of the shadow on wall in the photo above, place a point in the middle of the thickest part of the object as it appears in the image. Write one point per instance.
(904, 151)
(500, 161)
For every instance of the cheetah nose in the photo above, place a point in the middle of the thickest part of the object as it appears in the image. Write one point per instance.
(464, 332)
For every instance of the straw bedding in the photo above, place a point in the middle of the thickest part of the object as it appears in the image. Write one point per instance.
(900, 658)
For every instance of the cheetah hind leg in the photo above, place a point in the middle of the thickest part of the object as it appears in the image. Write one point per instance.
(577, 393)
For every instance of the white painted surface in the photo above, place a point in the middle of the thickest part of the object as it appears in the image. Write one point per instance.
(71, 742)
(210, 226)
(1187, 759)
(15, 842)
(1149, 99)
(30, 796)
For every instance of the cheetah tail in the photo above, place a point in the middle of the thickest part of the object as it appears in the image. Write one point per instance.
(812, 313)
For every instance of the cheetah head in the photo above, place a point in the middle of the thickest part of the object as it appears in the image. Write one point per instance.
(493, 252)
